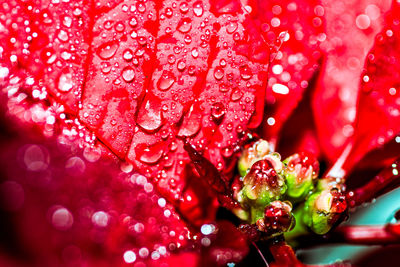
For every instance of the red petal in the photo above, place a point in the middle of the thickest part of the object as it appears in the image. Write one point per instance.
(378, 111)
(298, 28)
(349, 37)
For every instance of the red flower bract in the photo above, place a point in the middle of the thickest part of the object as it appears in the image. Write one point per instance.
(138, 81)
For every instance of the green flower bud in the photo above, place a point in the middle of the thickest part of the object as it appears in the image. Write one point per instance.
(263, 183)
(252, 154)
(324, 207)
(301, 170)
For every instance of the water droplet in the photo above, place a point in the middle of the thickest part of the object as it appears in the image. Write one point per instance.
(227, 152)
(105, 67)
(236, 95)
(231, 27)
(181, 65)
(198, 9)
(141, 7)
(166, 80)
(65, 82)
(62, 35)
(149, 115)
(177, 49)
(223, 87)
(128, 74)
(236, 36)
(171, 59)
(108, 24)
(218, 112)
(65, 55)
(188, 39)
(139, 52)
(142, 40)
(168, 12)
(128, 54)
(77, 12)
(184, 7)
(119, 27)
(67, 21)
(218, 73)
(107, 50)
(191, 123)
(245, 72)
(133, 22)
(195, 53)
(150, 154)
(184, 25)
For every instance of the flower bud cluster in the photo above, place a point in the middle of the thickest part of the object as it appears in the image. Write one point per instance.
(270, 187)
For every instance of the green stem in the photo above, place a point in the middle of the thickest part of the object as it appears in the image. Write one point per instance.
(300, 228)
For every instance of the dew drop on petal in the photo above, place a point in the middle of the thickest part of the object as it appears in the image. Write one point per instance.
(245, 72)
(195, 53)
(198, 9)
(181, 65)
(185, 25)
(166, 81)
(107, 50)
(218, 73)
(236, 95)
(128, 54)
(128, 74)
(231, 27)
(217, 112)
(65, 82)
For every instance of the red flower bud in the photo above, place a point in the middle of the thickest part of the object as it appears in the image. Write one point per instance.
(278, 218)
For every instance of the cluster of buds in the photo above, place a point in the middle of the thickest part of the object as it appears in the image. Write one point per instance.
(270, 187)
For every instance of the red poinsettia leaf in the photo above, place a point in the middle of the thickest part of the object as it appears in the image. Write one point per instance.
(295, 28)
(378, 110)
(121, 48)
(59, 46)
(190, 95)
(350, 31)
(228, 101)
